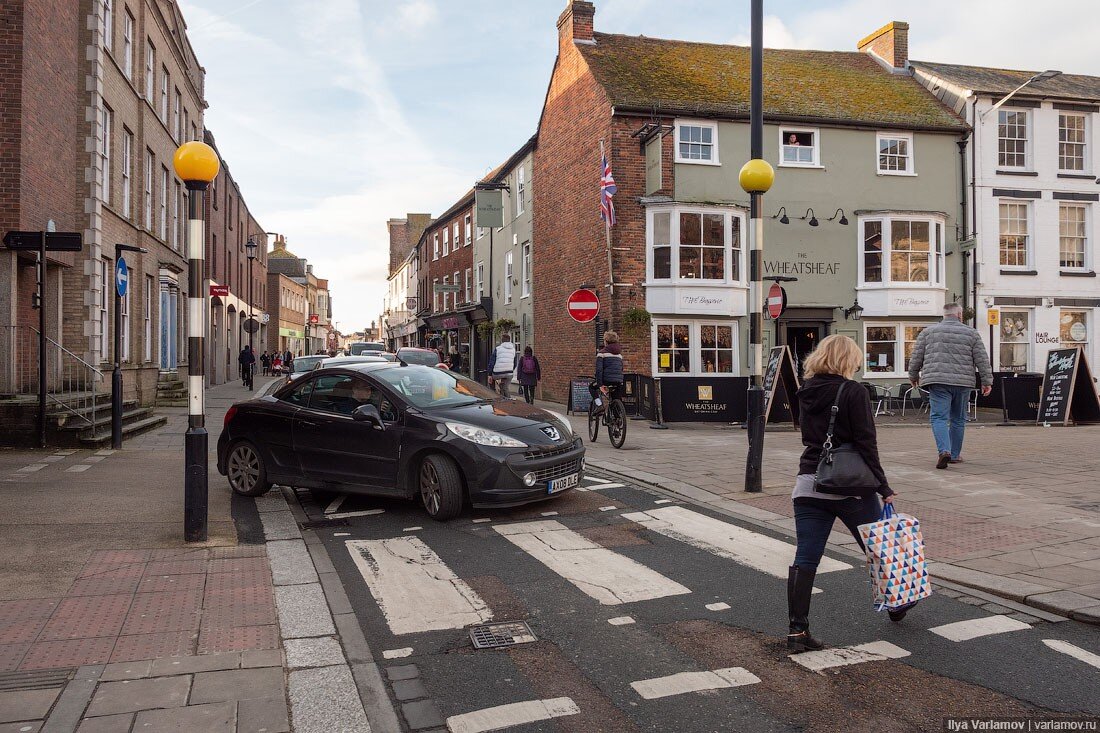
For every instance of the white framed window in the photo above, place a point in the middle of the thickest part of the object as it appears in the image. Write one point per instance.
(163, 220)
(1015, 349)
(480, 281)
(446, 241)
(446, 295)
(1012, 131)
(800, 146)
(165, 83)
(521, 190)
(469, 231)
(697, 142)
(150, 168)
(186, 121)
(104, 299)
(685, 347)
(435, 246)
(177, 196)
(128, 45)
(1072, 236)
(901, 250)
(508, 277)
(105, 122)
(455, 236)
(469, 279)
(1073, 328)
(1071, 142)
(108, 26)
(125, 317)
(150, 70)
(457, 281)
(127, 172)
(895, 154)
(1015, 236)
(526, 269)
(889, 346)
(695, 244)
(147, 313)
(176, 114)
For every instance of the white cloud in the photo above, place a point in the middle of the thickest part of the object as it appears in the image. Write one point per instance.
(415, 15)
(776, 35)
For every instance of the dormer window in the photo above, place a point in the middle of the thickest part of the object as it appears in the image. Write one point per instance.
(799, 147)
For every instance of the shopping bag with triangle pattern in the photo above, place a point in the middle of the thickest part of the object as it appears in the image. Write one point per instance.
(895, 555)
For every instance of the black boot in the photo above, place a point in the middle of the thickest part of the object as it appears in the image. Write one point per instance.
(800, 584)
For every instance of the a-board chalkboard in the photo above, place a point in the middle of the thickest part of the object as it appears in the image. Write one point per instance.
(579, 396)
(1068, 390)
(1020, 397)
(780, 386)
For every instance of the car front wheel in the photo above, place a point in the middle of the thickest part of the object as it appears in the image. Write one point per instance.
(246, 471)
(440, 487)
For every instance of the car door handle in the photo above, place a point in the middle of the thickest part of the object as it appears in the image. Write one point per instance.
(307, 423)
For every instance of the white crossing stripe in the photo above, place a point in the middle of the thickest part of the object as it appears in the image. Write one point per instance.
(718, 606)
(843, 656)
(684, 682)
(508, 716)
(53, 459)
(597, 487)
(407, 579)
(607, 576)
(483, 519)
(620, 620)
(105, 452)
(972, 629)
(397, 653)
(663, 501)
(723, 539)
(549, 514)
(341, 534)
(64, 452)
(94, 459)
(347, 515)
(78, 469)
(1074, 651)
(411, 529)
(32, 468)
(608, 508)
(335, 503)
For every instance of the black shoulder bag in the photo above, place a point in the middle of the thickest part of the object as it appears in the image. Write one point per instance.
(842, 469)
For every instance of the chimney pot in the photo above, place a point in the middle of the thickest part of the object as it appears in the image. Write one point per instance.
(890, 44)
(575, 24)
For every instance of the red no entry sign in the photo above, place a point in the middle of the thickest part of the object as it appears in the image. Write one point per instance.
(584, 305)
(777, 301)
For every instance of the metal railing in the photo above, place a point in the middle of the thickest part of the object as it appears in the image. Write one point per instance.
(72, 384)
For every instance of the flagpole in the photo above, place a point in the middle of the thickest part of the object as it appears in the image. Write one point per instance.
(607, 234)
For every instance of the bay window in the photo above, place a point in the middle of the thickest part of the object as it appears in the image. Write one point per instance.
(1015, 341)
(694, 348)
(901, 251)
(695, 245)
(889, 346)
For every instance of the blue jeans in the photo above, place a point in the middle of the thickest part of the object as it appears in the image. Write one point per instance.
(948, 407)
(813, 521)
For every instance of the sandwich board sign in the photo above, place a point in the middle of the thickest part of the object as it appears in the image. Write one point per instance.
(781, 386)
(1069, 393)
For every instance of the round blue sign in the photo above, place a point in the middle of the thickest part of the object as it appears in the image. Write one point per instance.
(122, 277)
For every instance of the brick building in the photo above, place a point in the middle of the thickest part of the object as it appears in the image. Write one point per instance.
(286, 303)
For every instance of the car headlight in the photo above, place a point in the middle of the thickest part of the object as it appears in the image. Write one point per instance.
(564, 422)
(481, 436)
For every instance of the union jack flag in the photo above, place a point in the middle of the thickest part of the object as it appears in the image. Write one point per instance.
(607, 190)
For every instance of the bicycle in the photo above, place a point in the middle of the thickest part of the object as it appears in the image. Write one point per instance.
(613, 418)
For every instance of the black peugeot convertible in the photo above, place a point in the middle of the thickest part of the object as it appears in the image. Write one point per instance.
(398, 430)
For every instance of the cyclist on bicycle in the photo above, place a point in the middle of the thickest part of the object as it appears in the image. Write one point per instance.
(609, 371)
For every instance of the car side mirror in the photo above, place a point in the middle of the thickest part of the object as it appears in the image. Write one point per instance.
(368, 414)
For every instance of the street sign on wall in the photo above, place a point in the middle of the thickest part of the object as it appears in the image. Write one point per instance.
(583, 305)
(55, 241)
(122, 277)
(219, 291)
(777, 301)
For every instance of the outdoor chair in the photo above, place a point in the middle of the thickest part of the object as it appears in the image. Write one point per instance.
(880, 398)
(917, 397)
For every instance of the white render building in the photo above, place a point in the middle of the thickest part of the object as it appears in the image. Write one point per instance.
(1031, 185)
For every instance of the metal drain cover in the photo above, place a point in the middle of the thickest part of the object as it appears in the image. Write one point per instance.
(37, 680)
(508, 633)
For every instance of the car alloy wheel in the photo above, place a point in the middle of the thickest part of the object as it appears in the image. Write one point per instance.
(442, 491)
(246, 471)
(429, 488)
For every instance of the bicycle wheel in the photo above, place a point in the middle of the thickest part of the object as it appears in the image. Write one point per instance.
(616, 423)
(593, 424)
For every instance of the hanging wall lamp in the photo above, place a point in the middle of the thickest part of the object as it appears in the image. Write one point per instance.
(782, 215)
(811, 217)
(843, 219)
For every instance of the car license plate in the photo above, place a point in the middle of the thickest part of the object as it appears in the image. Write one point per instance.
(563, 483)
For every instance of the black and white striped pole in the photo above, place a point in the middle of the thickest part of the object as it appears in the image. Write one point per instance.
(756, 178)
(197, 164)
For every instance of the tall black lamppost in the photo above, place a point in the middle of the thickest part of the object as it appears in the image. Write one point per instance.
(197, 164)
(251, 323)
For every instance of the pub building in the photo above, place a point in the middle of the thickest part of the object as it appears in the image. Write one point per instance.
(863, 212)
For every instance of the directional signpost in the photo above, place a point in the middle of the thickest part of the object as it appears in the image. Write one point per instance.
(122, 284)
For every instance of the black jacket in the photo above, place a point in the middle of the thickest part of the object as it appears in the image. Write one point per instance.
(855, 423)
(609, 365)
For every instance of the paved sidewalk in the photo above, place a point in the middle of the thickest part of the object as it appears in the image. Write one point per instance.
(1020, 517)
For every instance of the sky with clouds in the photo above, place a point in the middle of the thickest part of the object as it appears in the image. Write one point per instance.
(336, 115)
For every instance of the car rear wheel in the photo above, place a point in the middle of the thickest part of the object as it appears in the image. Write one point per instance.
(440, 487)
(246, 471)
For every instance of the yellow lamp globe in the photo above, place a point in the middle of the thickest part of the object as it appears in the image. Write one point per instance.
(196, 162)
(756, 176)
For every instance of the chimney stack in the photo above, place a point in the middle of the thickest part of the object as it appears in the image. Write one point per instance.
(575, 23)
(889, 44)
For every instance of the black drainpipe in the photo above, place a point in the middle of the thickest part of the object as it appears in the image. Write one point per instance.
(963, 221)
(974, 197)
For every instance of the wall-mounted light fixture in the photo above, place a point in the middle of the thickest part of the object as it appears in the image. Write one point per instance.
(853, 312)
(782, 214)
(843, 219)
(810, 215)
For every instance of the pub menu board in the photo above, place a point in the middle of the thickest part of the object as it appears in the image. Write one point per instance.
(579, 396)
(780, 379)
(1068, 390)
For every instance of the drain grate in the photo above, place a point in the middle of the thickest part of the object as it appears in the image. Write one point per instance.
(323, 524)
(494, 636)
(37, 680)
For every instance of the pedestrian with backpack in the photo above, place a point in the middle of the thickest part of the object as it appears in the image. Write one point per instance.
(529, 373)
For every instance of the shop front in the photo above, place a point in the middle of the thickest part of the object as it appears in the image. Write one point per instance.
(450, 334)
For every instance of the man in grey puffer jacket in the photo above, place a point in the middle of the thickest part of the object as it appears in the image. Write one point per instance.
(944, 361)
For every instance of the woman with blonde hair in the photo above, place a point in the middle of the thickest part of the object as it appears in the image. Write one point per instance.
(829, 390)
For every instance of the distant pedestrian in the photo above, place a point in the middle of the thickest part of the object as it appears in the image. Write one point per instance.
(529, 373)
(829, 387)
(265, 363)
(247, 361)
(945, 360)
(502, 363)
(276, 364)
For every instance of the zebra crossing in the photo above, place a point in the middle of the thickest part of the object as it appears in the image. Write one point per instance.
(427, 589)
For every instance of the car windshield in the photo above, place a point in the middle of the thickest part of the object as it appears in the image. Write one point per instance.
(366, 347)
(305, 363)
(422, 357)
(428, 387)
(343, 360)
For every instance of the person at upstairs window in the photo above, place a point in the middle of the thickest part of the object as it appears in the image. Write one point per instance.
(945, 360)
(529, 374)
(502, 363)
(609, 372)
(793, 140)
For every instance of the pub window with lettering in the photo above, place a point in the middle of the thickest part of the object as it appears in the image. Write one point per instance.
(889, 346)
(695, 348)
(695, 245)
(1074, 328)
(1015, 341)
(901, 251)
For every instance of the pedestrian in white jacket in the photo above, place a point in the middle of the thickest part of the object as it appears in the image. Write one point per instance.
(502, 364)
